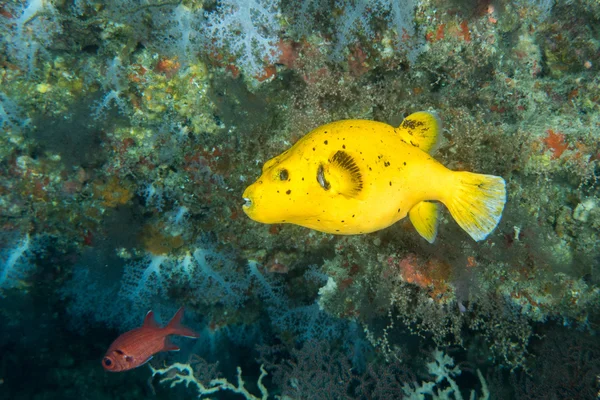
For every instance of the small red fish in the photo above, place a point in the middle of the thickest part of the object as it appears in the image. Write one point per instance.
(136, 347)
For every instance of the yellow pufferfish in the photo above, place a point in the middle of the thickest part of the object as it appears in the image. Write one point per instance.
(358, 176)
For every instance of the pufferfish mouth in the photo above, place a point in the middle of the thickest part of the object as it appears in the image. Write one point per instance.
(247, 203)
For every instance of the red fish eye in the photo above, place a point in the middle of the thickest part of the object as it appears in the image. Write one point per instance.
(107, 361)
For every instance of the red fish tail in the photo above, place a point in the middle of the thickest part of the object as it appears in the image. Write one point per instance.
(175, 327)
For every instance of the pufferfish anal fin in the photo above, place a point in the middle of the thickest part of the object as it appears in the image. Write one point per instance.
(341, 175)
(425, 217)
(421, 129)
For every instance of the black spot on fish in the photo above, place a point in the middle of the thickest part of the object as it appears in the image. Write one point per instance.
(352, 215)
(398, 210)
(342, 220)
(343, 146)
(325, 142)
(386, 163)
(404, 162)
(313, 149)
(288, 192)
(390, 183)
(411, 124)
(283, 175)
(414, 144)
(302, 178)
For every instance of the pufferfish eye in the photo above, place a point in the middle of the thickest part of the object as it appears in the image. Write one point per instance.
(284, 175)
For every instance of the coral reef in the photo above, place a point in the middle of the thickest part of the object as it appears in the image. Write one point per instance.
(130, 129)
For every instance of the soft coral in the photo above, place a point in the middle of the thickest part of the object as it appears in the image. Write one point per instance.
(15, 264)
(249, 30)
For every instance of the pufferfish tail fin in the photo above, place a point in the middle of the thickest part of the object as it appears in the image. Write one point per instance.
(476, 203)
(421, 129)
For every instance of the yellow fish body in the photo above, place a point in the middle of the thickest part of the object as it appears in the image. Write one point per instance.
(356, 176)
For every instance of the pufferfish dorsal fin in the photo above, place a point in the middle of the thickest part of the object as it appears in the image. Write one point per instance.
(341, 175)
(421, 129)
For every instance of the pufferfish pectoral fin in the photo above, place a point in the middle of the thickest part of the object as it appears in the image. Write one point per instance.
(341, 175)
(421, 129)
(425, 217)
